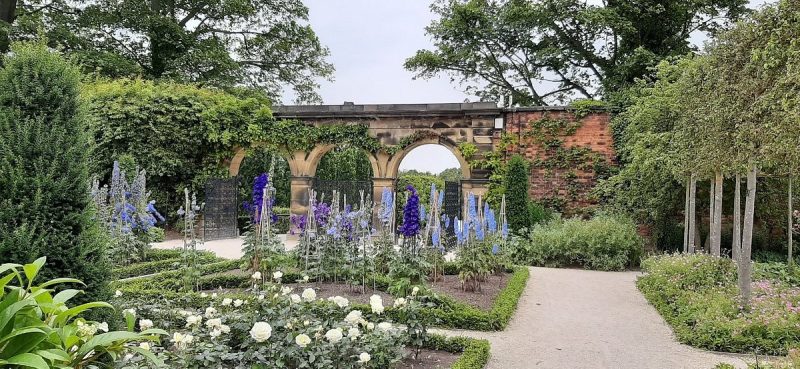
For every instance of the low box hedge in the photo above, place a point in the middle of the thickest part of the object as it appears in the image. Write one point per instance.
(474, 352)
(156, 266)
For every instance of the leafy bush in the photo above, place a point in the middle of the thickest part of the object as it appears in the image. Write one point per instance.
(698, 296)
(45, 204)
(605, 242)
(40, 331)
(516, 191)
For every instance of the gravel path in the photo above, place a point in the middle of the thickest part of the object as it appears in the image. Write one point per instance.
(570, 318)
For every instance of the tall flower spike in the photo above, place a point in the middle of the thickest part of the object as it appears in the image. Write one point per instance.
(411, 213)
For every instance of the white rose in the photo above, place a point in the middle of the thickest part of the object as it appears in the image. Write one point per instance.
(103, 326)
(364, 358)
(260, 297)
(131, 312)
(238, 303)
(334, 335)
(203, 294)
(215, 333)
(309, 294)
(353, 317)
(341, 301)
(256, 276)
(370, 326)
(224, 328)
(144, 346)
(226, 301)
(261, 331)
(193, 320)
(145, 324)
(117, 293)
(385, 326)
(286, 290)
(214, 295)
(302, 340)
(214, 323)
(305, 278)
(210, 312)
(353, 332)
(295, 298)
(400, 302)
(277, 275)
(376, 303)
(415, 291)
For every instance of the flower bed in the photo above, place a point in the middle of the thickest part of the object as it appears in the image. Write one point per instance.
(698, 296)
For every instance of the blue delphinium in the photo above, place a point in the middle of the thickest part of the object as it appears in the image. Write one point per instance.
(495, 249)
(491, 222)
(254, 207)
(441, 198)
(422, 217)
(472, 209)
(387, 206)
(435, 237)
(411, 213)
(505, 229)
(457, 226)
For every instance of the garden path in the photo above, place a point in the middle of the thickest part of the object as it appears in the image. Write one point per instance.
(230, 248)
(581, 319)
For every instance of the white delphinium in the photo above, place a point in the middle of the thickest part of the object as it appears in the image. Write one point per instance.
(376, 303)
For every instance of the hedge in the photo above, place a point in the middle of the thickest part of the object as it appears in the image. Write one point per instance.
(451, 314)
(474, 352)
(150, 267)
(171, 280)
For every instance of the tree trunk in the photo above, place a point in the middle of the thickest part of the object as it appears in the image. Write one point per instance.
(791, 225)
(8, 14)
(736, 246)
(716, 239)
(692, 212)
(745, 266)
(711, 229)
(686, 233)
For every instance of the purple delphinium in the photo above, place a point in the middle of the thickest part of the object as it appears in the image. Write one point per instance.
(386, 206)
(411, 213)
(321, 213)
(254, 207)
(495, 249)
(298, 222)
(435, 237)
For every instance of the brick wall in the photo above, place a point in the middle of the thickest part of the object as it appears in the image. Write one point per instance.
(563, 176)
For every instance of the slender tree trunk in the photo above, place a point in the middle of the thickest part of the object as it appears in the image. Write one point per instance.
(736, 246)
(745, 266)
(710, 239)
(716, 240)
(692, 212)
(686, 233)
(791, 225)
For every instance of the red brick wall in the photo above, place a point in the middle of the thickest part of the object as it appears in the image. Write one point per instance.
(569, 185)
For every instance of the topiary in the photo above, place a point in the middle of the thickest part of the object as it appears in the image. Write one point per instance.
(45, 203)
(516, 190)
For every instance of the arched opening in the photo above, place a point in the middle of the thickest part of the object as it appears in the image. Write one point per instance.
(256, 161)
(346, 170)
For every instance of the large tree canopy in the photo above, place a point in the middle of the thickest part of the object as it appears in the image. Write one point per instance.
(260, 43)
(548, 51)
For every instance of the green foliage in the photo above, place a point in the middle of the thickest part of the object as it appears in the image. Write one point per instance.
(516, 191)
(502, 48)
(698, 296)
(262, 44)
(41, 331)
(422, 182)
(155, 266)
(45, 204)
(258, 160)
(345, 164)
(605, 242)
(474, 353)
(468, 150)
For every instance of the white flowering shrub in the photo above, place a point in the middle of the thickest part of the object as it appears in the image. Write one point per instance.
(276, 327)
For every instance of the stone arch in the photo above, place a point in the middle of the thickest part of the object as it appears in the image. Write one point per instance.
(393, 168)
(314, 157)
(240, 153)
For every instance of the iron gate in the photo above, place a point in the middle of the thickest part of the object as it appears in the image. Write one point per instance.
(451, 207)
(349, 191)
(221, 209)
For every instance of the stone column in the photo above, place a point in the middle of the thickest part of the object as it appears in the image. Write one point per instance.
(299, 195)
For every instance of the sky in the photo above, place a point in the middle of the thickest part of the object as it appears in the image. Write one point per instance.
(369, 40)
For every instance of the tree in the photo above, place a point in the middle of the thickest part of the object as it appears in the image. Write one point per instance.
(451, 175)
(45, 204)
(516, 191)
(259, 43)
(540, 52)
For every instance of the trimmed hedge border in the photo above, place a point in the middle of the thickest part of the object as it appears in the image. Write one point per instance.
(474, 352)
(452, 314)
(155, 266)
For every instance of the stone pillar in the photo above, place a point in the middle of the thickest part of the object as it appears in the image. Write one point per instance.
(299, 195)
(480, 187)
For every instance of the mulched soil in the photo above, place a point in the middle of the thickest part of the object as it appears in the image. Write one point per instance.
(428, 359)
(484, 299)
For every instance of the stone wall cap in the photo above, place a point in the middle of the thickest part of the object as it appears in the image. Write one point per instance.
(349, 109)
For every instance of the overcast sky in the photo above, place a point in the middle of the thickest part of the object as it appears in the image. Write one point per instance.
(369, 40)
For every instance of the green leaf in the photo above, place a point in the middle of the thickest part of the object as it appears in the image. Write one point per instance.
(8, 313)
(32, 269)
(29, 360)
(59, 281)
(65, 295)
(149, 355)
(63, 317)
(19, 332)
(107, 339)
(54, 355)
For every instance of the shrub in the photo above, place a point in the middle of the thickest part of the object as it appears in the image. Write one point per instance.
(45, 204)
(698, 296)
(40, 330)
(516, 190)
(605, 242)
